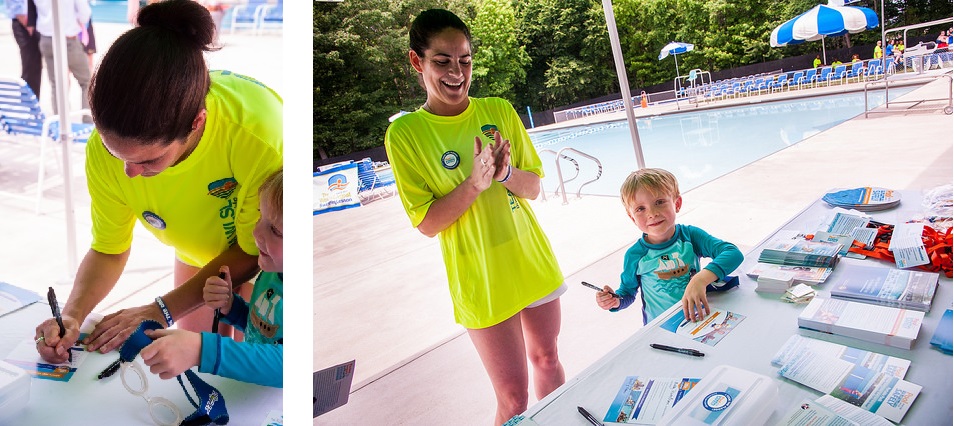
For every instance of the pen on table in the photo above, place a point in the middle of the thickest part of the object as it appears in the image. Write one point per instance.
(589, 417)
(109, 371)
(683, 351)
(218, 314)
(55, 307)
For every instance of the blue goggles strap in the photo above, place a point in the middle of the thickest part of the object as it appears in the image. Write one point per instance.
(211, 405)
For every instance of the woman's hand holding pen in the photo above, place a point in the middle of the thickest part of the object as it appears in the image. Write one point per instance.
(217, 292)
(51, 347)
(606, 300)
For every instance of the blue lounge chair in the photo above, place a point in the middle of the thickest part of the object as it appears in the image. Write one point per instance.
(875, 69)
(839, 73)
(811, 77)
(797, 79)
(272, 17)
(22, 119)
(857, 70)
(823, 76)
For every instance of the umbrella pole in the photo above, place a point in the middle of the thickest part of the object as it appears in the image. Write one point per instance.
(62, 101)
(674, 56)
(824, 56)
(623, 81)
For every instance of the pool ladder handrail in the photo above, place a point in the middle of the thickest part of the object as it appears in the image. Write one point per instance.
(561, 188)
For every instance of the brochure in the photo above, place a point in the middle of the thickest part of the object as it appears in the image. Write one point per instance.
(873, 323)
(803, 274)
(712, 329)
(866, 199)
(25, 356)
(13, 298)
(644, 400)
(796, 252)
(886, 286)
(796, 344)
(851, 412)
(874, 391)
(811, 413)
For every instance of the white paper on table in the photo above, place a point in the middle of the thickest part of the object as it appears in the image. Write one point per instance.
(274, 418)
(907, 246)
(797, 344)
(851, 412)
(811, 413)
(820, 372)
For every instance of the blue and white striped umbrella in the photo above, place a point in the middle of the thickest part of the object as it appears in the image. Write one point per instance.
(674, 48)
(823, 21)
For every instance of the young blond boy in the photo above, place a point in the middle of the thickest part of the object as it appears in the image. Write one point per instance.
(257, 359)
(664, 263)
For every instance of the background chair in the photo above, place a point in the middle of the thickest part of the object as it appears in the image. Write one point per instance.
(272, 17)
(22, 120)
(248, 15)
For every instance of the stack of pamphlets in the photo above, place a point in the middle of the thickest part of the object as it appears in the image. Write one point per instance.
(775, 281)
(872, 323)
(797, 252)
(886, 286)
(803, 274)
(13, 298)
(942, 338)
(876, 391)
(866, 199)
(801, 293)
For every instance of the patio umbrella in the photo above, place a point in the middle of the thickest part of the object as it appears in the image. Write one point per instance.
(822, 21)
(674, 48)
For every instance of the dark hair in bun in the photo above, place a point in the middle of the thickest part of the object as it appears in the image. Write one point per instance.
(152, 82)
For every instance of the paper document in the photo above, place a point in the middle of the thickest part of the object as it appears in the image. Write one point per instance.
(710, 330)
(25, 356)
(13, 298)
(644, 400)
(811, 413)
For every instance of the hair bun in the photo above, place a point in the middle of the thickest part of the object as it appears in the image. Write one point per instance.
(184, 17)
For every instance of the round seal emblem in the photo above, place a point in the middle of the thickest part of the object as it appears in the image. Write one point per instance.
(450, 160)
(717, 401)
(154, 220)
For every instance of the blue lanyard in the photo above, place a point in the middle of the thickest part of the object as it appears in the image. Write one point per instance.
(211, 405)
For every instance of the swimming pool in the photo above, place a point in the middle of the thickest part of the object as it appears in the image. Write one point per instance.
(696, 146)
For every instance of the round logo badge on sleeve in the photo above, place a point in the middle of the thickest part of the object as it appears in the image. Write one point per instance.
(450, 160)
(154, 220)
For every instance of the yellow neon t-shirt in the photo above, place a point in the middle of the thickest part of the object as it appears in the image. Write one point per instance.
(497, 257)
(207, 202)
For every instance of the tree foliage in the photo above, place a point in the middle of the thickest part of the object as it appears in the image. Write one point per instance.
(546, 53)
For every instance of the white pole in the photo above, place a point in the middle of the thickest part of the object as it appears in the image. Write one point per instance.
(62, 106)
(674, 56)
(623, 81)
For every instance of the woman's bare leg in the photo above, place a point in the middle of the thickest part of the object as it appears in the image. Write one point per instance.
(541, 326)
(502, 351)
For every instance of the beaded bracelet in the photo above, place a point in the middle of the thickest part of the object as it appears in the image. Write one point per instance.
(509, 173)
(165, 311)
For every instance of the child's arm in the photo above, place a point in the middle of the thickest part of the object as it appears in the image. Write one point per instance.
(218, 294)
(172, 351)
(695, 306)
(259, 363)
(725, 258)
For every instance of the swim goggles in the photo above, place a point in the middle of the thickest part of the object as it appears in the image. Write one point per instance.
(210, 407)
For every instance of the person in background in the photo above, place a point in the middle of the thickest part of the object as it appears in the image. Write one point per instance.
(663, 265)
(74, 15)
(23, 13)
(176, 350)
(878, 51)
(817, 62)
(88, 39)
(464, 169)
(180, 150)
(855, 58)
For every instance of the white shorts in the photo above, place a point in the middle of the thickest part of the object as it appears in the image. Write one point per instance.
(550, 297)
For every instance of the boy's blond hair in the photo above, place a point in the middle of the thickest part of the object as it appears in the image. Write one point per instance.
(656, 181)
(270, 192)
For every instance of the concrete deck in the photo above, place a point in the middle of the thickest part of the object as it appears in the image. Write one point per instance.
(380, 288)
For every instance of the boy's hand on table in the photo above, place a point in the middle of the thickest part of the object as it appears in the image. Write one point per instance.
(695, 306)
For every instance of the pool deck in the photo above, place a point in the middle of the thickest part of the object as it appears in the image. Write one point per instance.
(380, 288)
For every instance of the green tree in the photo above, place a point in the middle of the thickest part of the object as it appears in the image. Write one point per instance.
(499, 61)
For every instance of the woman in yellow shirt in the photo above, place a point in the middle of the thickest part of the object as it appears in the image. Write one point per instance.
(177, 149)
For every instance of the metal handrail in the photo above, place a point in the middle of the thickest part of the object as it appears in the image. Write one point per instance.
(948, 109)
(562, 186)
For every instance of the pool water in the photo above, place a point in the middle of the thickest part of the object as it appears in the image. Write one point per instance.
(698, 146)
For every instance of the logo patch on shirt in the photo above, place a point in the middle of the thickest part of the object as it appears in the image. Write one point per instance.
(154, 220)
(337, 182)
(488, 130)
(223, 188)
(450, 160)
